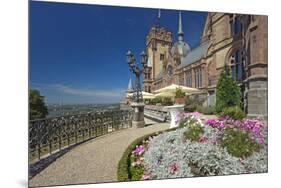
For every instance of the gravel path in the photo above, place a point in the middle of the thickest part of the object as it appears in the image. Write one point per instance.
(94, 161)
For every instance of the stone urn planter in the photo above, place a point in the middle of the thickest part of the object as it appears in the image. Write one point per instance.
(179, 97)
(179, 100)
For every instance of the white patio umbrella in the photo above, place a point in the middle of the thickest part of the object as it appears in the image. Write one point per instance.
(145, 95)
(172, 88)
(165, 94)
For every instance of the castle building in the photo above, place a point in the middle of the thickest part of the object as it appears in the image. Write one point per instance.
(236, 40)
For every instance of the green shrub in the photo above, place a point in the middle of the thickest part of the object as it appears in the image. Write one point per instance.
(179, 93)
(238, 143)
(228, 92)
(234, 112)
(194, 132)
(136, 172)
(208, 110)
(147, 101)
(167, 101)
(156, 100)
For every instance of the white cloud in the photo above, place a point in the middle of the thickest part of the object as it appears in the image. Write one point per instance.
(112, 93)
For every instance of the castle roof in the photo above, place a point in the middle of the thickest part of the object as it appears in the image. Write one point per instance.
(130, 86)
(194, 55)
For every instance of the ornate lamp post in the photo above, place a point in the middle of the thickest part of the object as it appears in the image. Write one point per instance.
(137, 104)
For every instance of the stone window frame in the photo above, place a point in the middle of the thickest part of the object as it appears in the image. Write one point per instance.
(236, 25)
(236, 64)
(198, 77)
(188, 80)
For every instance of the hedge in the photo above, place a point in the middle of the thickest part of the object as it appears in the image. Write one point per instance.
(123, 172)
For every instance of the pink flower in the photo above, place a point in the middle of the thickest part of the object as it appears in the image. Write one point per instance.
(173, 168)
(216, 123)
(203, 139)
(145, 177)
(139, 150)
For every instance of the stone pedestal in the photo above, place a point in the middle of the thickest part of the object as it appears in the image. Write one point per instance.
(138, 115)
(174, 111)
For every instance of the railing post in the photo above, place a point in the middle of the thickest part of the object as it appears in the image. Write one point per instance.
(75, 133)
(59, 139)
(39, 151)
(50, 146)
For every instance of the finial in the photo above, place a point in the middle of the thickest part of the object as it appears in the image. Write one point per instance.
(158, 18)
(180, 31)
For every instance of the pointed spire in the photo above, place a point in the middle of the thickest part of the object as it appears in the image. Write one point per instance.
(158, 18)
(159, 13)
(180, 31)
(130, 86)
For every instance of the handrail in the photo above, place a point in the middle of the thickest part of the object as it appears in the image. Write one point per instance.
(50, 135)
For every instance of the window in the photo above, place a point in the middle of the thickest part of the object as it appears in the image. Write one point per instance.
(162, 56)
(170, 70)
(237, 25)
(236, 66)
(189, 79)
(198, 77)
(181, 78)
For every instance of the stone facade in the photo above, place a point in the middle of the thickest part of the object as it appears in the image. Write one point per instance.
(239, 41)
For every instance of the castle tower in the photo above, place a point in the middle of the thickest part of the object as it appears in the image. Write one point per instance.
(180, 48)
(158, 44)
(129, 92)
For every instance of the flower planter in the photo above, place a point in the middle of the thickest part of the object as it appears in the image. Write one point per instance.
(179, 100)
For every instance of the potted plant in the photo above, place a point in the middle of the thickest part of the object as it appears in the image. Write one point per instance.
(179, 97)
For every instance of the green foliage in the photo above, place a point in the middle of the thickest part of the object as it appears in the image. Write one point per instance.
(179, 93)
(188, 122)
(194, 132)
(147, 101)
(167, 101)
(234, 112)
(37, 107)
(228, 92)
(208, 110)
(156, 100)
(191, 103)
(238, 143)
(136, 172)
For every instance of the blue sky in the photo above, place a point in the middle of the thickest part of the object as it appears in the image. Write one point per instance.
(77, 52)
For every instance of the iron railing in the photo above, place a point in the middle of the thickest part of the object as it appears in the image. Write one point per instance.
(50, 135)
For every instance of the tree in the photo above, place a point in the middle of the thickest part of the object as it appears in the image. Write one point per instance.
(228, 92)
(37, 107)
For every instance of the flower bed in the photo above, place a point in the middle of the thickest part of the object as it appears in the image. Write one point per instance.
(214, 147)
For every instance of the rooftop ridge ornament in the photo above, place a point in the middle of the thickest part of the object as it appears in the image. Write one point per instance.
(180, 31)
(158, 19)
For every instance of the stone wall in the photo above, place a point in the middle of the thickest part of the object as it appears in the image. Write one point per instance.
(257, 99)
